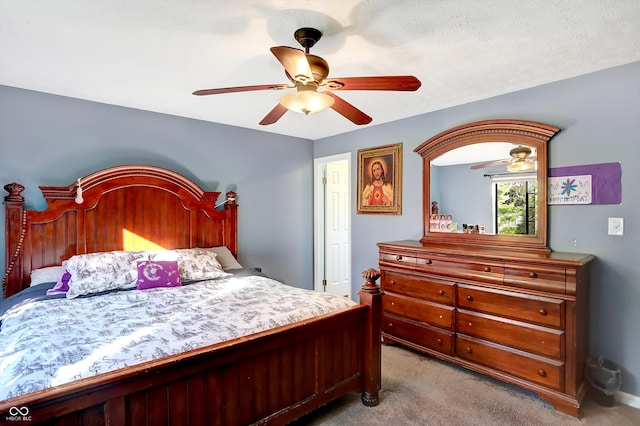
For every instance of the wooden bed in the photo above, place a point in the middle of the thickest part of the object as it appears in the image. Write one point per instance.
(270, 377)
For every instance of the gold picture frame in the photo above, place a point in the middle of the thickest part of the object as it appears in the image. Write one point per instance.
(379, 180)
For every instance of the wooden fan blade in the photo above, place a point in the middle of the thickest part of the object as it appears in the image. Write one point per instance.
(397, 83)
(294, 62)
(348, 111)
(274, 115)
(242, 89)
(490, 164)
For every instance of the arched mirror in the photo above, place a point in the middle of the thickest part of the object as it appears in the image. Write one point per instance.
(484, 184)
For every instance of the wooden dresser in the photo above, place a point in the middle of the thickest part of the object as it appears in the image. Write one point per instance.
(520, 317)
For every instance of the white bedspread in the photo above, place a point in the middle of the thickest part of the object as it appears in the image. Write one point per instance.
(47, 343)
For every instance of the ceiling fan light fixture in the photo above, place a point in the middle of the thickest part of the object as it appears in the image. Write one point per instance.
(306, 101)
(520, 166)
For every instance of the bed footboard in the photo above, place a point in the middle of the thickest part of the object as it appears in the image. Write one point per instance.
(271, 377)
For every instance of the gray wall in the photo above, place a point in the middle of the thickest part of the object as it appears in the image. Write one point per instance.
(53, 140)
(466, 195)
(599, 115)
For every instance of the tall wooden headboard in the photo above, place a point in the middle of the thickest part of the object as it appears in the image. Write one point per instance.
(130, 207)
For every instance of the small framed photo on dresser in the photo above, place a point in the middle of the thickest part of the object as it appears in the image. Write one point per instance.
(379, 180)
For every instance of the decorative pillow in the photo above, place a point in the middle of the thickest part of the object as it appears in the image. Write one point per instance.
(98, 272)
(50, 274)
(194, 264)
(62, 285)
(225, 257)
(158, 273)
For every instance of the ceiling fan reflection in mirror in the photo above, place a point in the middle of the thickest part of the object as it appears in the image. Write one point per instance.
(314, 91)
(520, 161)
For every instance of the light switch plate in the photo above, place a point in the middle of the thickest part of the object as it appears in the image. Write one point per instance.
(616, 226)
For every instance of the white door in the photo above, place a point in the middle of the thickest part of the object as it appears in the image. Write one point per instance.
(333, 249)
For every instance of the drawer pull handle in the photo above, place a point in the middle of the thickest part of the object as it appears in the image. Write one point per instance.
(543, 312)
(392, 282)
(393, 303)
(398, 257)
(440, 316)
(439, 341)
(441, 292)
(470, 324)
(427, 261)
(533, 275)
(390, 325)
(487, 269)
(542, 373)
(469, 350)
(470, 298)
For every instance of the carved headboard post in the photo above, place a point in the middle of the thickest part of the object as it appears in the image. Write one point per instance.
(13, 238)
(231, 237)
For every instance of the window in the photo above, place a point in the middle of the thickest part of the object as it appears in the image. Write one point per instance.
(516, 206)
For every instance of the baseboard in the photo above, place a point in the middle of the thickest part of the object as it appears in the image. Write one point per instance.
(627, 399)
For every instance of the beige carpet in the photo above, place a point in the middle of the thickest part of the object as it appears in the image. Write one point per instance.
(420, 390)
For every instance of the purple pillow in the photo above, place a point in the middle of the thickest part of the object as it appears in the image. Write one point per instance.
(158, 273)
(62, 284)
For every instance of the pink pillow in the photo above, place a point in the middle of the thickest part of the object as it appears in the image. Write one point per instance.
(158, 273)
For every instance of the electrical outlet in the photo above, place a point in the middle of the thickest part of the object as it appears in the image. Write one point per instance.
(616, 226)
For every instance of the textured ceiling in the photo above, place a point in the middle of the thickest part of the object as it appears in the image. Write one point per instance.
(152, 54)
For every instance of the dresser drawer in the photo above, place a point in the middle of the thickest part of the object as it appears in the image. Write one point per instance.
(423, 288)
(539, 340)
(536, 369)
(418, 310)
(536, 309)
(398, 259)
(420, 334)
(536, 278)
(475, 270)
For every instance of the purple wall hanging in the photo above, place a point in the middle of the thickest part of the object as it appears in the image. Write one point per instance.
(606, 184)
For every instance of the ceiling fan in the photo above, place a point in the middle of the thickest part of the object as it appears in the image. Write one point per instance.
(521, 160)
(307, 74)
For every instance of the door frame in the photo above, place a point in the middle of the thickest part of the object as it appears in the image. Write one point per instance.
(319, 217)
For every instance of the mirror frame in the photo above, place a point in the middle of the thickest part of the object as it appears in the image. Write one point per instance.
(501, 130)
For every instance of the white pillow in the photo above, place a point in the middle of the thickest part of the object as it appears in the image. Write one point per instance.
(225, 257)
(50, 274)
(102, 271)
(194, 263)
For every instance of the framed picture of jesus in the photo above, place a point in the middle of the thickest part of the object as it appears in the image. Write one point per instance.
(379, 179)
